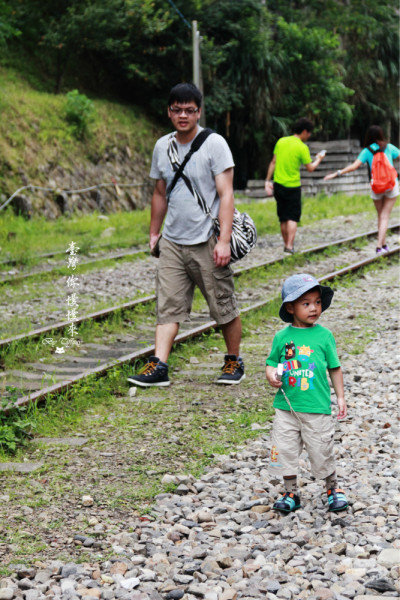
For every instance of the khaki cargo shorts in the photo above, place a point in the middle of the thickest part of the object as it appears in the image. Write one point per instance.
(316, 434)
(180, 268)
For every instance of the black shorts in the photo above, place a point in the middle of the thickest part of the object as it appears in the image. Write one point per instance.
(288, 202)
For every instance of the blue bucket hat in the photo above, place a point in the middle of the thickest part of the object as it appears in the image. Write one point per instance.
(297, 285)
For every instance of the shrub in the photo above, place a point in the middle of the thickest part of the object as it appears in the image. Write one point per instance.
(16, 423)
(79, 112)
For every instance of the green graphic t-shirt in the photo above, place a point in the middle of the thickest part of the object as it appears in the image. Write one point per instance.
(306, 354)
(290, 153)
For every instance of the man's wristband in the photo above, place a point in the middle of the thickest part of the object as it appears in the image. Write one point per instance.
(339, 172)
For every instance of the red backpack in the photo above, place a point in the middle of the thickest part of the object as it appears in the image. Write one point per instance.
(383, 175)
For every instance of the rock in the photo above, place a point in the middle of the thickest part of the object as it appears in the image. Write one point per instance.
(175, 595)
(33, 595)
(324, 594)
(204, 516)
(25, 584)
(109, 232)
(380, 585)
(119, 567)
(369, 597)
(87, 500)
(339, 549)
(26, 572)
(273, 586)
(228, 594)
(390, 557)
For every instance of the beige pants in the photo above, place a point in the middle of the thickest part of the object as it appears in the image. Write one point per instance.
(316, 434)
(180, 269)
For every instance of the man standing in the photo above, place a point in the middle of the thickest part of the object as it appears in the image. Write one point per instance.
(289, 154)
(189, 253)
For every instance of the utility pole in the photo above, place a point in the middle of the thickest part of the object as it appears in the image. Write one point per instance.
(196, 54)
(197, 78)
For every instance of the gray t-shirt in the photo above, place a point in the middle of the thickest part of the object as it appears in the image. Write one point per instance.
(185, 222)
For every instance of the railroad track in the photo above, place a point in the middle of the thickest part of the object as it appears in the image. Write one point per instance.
(61, 268)
(105, 313)
(40, 379)
(138, 251)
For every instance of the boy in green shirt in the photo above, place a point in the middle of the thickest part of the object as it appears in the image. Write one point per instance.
(303, 351)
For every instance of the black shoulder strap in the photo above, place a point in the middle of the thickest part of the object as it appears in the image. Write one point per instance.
(380, 149)
(197, 142)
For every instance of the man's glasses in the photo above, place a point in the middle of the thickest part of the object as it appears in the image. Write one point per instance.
(177, 110)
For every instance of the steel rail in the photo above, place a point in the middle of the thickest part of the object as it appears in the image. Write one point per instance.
(118, 256)
(14, 261)
(99, 315)
(103, 314)
(122, 255)
(190, 334)
(320, 248)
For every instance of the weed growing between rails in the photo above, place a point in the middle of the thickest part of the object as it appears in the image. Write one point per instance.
(17, 424)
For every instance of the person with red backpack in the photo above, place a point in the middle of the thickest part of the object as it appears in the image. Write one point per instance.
(379, 156)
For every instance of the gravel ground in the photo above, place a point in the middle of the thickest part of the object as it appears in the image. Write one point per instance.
(216, 537)
(36, 304)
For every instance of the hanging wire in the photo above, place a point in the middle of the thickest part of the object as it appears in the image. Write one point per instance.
(180, 14)
(58, 190)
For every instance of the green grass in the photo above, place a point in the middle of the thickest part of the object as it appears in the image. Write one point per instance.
(22, 240)
(34, 131)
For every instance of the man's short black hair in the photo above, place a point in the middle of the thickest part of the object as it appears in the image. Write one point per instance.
(303, 124)
(185, 92)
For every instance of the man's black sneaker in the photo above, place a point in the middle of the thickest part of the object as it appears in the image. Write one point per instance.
(154, 373)
(232, 371)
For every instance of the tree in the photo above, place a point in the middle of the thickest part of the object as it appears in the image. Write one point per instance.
(7, 26)
(265, 64)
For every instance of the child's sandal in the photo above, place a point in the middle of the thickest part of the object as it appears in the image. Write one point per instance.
(336, 500)
(287, 503)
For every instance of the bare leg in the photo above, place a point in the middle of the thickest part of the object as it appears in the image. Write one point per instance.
(288, 230)
(284, 232)
(232, 333)
(384, 208)
(165, 335)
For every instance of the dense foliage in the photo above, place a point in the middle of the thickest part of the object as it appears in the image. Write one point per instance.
(265, 62)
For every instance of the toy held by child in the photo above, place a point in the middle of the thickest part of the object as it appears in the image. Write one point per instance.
(296, 366)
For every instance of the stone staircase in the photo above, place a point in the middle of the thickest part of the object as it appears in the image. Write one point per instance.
(339, 154)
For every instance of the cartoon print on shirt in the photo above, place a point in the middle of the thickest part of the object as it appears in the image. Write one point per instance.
(290, 353)
(305, 351)
(297, 374)
(290, 350)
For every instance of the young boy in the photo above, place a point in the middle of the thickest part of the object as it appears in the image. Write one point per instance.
(303, 401)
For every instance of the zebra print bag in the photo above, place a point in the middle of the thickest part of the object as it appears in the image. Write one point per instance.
(244, 235)
(244, 232)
